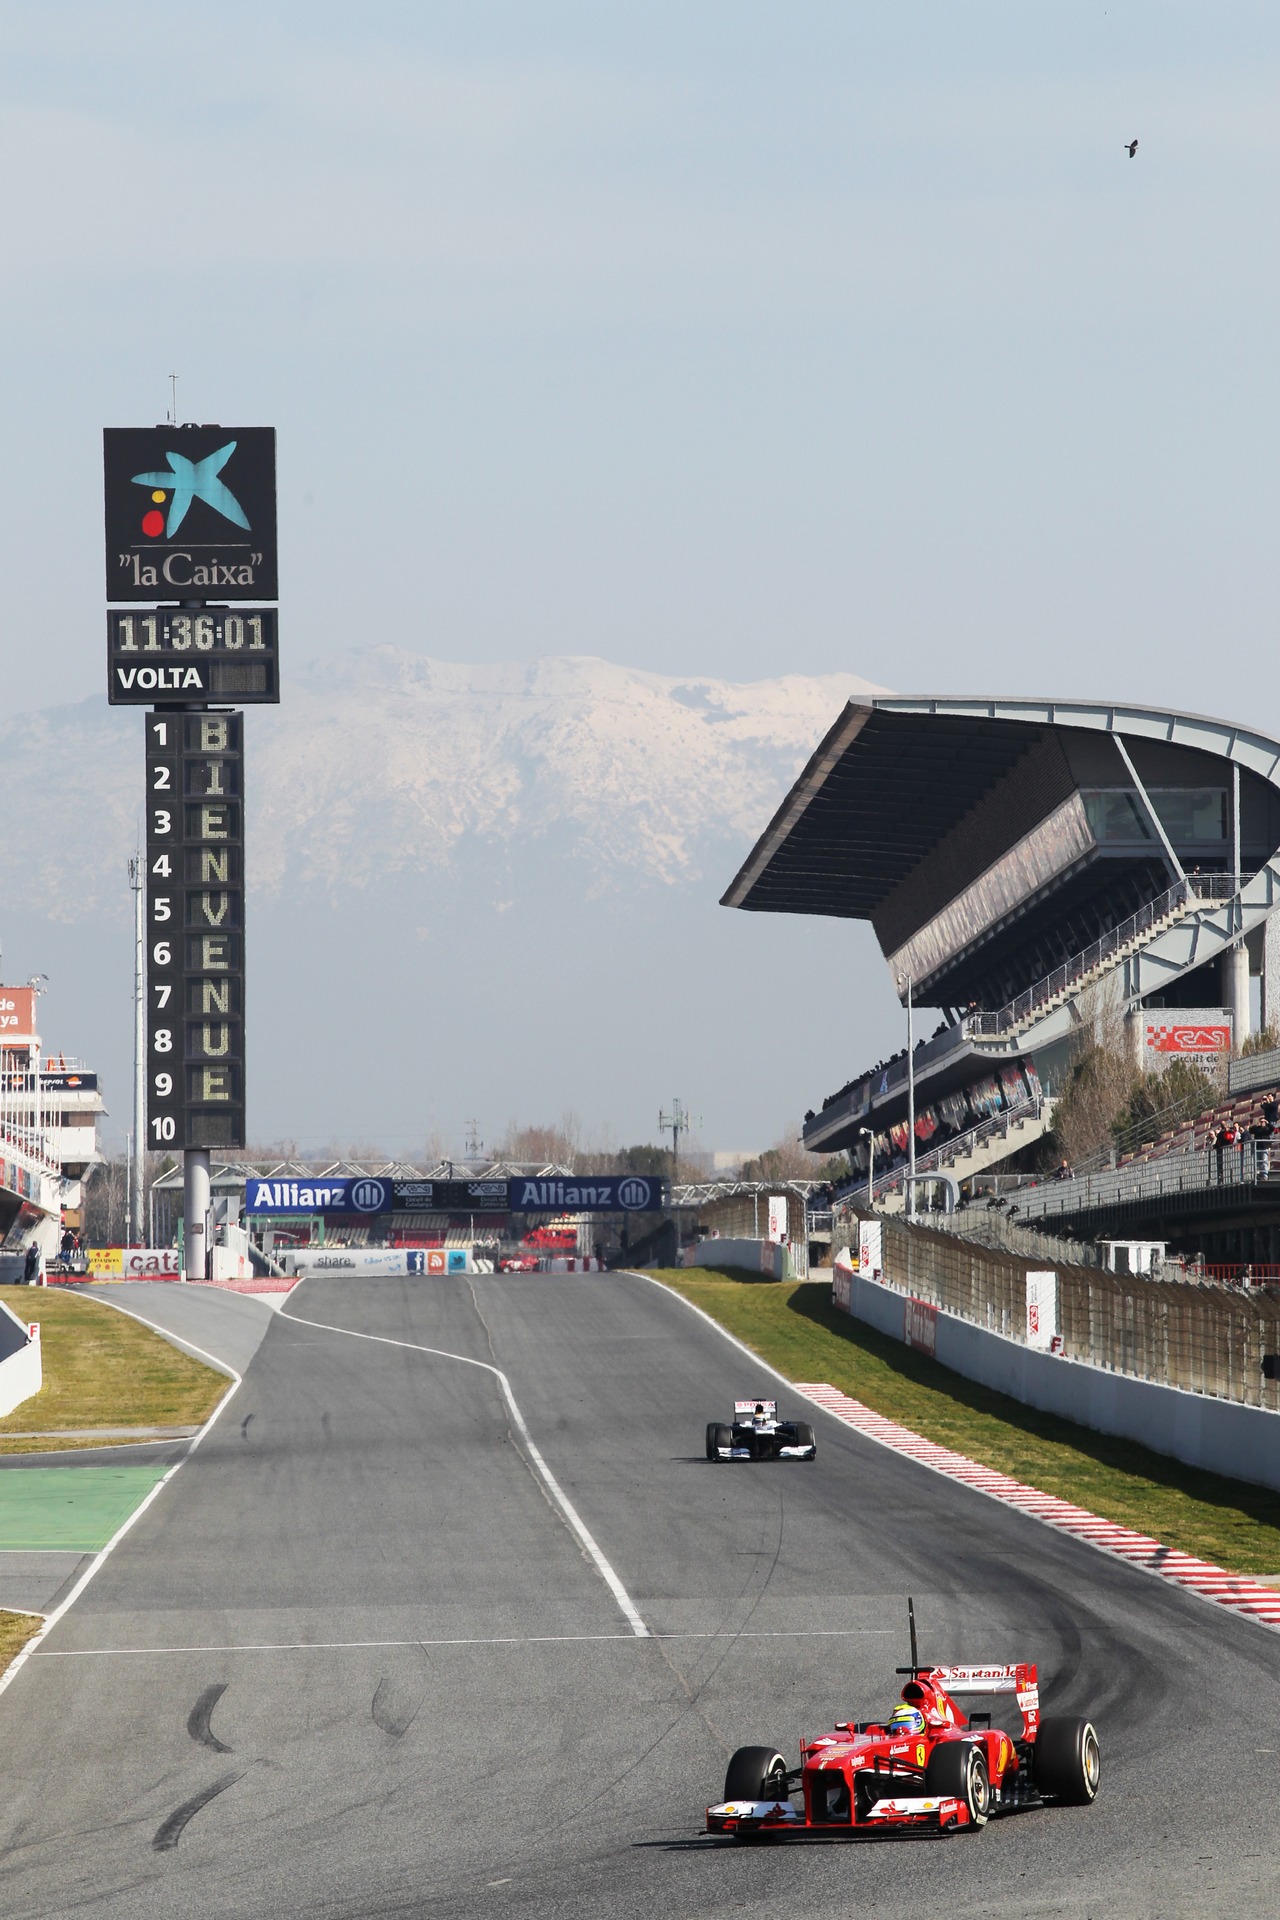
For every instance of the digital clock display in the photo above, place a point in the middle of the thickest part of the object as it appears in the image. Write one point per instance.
(156, 654)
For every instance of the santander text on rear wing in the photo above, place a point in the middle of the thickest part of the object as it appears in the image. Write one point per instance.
(1022, 1680)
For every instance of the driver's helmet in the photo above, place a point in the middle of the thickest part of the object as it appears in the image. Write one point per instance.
(905, 1722)
(759, 1412)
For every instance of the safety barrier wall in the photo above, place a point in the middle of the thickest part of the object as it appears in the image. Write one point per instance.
(1204, 1336)
(754, 1256)
(1221, 1436)
(21, 1373)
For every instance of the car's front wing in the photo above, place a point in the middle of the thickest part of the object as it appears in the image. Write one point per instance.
(779, 1816)
(779, 1453)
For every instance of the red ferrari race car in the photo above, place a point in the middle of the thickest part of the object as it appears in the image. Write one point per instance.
(924, 1766)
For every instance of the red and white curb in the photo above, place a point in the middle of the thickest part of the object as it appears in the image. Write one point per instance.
(1237, 1591)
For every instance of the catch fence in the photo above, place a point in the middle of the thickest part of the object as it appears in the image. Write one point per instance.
(1205, 1335)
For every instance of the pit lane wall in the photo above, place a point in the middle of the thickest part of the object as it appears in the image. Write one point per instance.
(1241, 1442)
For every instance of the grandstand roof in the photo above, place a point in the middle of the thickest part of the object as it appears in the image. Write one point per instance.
(897, 776)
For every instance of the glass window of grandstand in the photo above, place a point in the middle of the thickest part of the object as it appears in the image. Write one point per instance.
(1191, 816)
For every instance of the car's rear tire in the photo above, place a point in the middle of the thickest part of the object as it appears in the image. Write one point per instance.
(805, 1437)
(1068, 1761)
(957, 1770)
(717, 1436)
(751, 1771)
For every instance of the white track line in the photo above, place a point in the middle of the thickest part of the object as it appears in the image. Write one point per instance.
(558, 1495)
(1247, 1598)
(486, 1640)
(51, 1620)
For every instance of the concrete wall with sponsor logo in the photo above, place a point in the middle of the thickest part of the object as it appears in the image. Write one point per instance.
(753, 1256)
(377, 1263)
(1218, 1435)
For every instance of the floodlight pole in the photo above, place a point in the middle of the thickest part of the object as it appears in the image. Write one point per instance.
(911, 1103)
(675, 1123)
(865, 1133)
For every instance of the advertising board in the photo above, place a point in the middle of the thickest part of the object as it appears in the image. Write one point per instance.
(134, 1263)
(778, 1218)
(1042, 1309)
(920, 1325)
(449, 1196)
(17, 1013)
(339, 1193)
(1192, 1032)
(190, 513)
(870, 1248)
(588, 1193)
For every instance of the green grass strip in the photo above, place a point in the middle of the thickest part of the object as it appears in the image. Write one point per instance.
(15, 1631)
(795, 1328)
(47, 1509)
(102, 1369)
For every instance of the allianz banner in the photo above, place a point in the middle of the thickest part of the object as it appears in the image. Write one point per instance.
(588, 1193)
(326, 1193)
(366, 1195)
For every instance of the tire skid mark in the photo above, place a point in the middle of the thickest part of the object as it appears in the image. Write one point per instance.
(170, 1831)
(198, 1719)
(393, 1719)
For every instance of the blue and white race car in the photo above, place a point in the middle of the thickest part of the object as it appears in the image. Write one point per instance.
(756, 1433)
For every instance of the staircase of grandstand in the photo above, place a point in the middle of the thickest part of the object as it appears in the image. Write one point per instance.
(968, 1153)
(1084, 969)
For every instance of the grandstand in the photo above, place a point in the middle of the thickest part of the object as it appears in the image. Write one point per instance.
(1021, 862)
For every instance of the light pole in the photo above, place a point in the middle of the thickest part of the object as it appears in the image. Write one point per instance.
(865, 1133)
(675, 1123)
(904, 979)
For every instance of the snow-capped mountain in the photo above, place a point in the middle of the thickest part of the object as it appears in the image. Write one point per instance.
(384, 762)
(460, 837)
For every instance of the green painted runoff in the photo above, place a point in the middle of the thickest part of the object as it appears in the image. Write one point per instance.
(44, 1509)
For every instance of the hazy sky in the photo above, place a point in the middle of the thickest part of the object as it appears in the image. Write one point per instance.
(704, 336)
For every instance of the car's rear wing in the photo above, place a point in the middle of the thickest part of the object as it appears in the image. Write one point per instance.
(1016, 1679)
(1021, 1680)
(748, 1407)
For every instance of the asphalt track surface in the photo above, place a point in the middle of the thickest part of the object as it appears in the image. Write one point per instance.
(352, 1660)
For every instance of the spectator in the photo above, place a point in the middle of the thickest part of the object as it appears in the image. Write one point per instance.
(1260, 1134)
(31, 1265)
(1064, 1171)
(1215, 1143)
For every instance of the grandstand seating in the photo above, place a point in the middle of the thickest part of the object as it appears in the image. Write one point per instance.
(1244, 1111)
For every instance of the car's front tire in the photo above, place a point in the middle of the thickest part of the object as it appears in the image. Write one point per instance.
(805, 1437)
(1068, 1761)
(756, 1773)
(957, 1770)
(717, 1436)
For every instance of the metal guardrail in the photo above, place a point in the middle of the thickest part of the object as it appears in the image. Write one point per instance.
(1153, 917)
(1199, 1170)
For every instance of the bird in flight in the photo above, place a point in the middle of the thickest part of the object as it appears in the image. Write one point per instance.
(1131, 147)
(195, 480)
